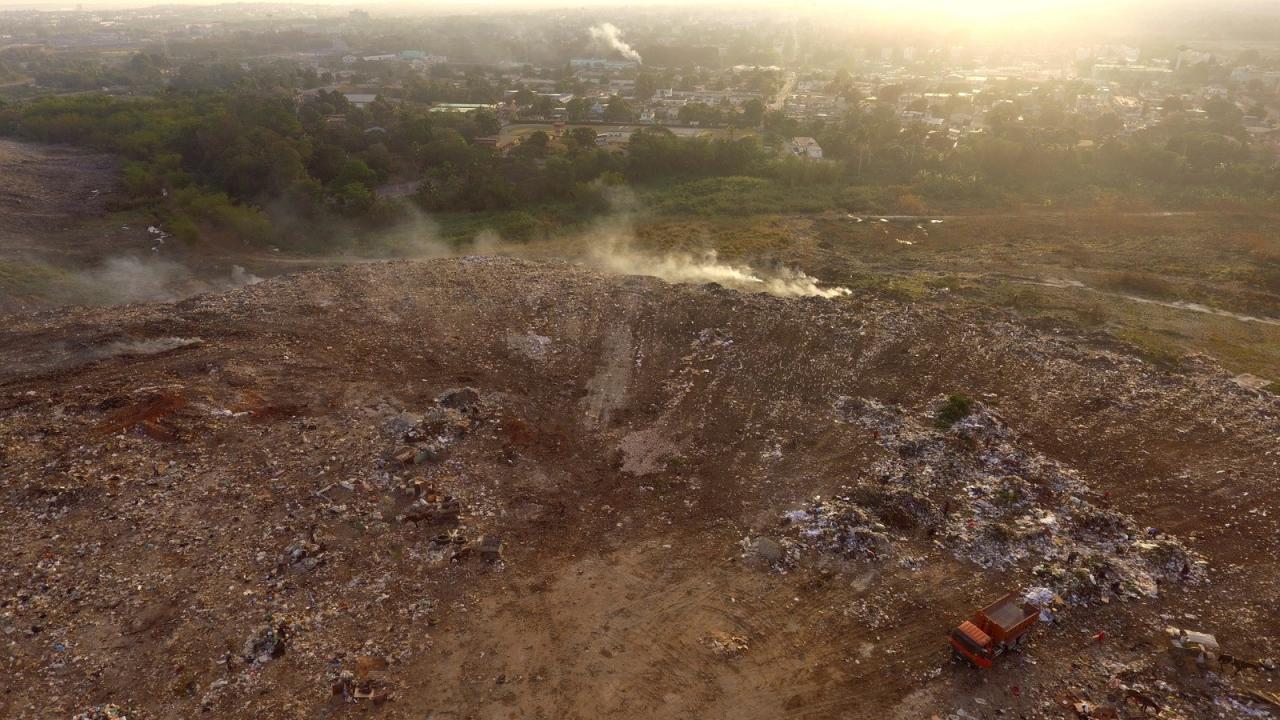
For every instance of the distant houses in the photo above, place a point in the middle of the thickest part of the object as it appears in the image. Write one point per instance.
(414, 57)
(804, 147)
(964, 96)
(601, 64)
(461, 107)
(360, 100)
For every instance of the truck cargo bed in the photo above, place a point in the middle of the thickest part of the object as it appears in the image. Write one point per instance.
(1007, 615)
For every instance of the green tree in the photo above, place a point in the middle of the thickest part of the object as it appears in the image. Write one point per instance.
(353, 198)
(535, 144)
(577, 109)
(646, 86)
(583, 137)
(487, 122)
(618, 110)
(355, 172)
(326, 162)
(752, 114)
(1224, 114)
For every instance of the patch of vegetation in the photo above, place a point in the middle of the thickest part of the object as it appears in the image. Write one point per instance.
(520, 225)
(259, 168)
(955, 409)
(1026, 299)
(29, 280)
(1159, 353)
(1139, 283)
(735, 196)
(945, 282)
(1268, 278)
(906, 289)
(1001, 531)
(1090, 314)
(226, 150)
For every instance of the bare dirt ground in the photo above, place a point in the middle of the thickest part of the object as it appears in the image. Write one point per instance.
(710, 504)
(47, 196)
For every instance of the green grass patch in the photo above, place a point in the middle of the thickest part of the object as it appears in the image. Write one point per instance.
(522, 225)
(30, 280)
(736, 196)
(1153, 349)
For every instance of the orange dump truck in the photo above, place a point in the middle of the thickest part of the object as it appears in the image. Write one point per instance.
(995, 629)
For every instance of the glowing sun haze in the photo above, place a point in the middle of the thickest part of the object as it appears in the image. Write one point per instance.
(1026, 21)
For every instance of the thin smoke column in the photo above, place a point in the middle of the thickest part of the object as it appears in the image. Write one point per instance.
(609, 35)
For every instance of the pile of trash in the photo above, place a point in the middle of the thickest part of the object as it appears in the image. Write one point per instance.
(303, 554)
(974, 488)
(426, 437)
(104, 712)
(836, 526)
(365, 680)
(1192, 667)
(269, 641)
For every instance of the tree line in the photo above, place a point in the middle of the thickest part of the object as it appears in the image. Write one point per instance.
(263, 165)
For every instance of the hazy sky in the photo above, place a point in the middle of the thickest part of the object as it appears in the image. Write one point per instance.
(959, 8)
(987, 14)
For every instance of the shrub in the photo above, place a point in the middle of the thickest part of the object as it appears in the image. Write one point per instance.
(858, 198)
(589, 198)
(216, 211)
(183, 228)
(955, 409)
(909, 204)
(519, 226)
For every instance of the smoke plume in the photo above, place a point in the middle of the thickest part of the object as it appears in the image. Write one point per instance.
(609, 245)
(152, 346)
(607, 35)
(682, 267)
(130, 279)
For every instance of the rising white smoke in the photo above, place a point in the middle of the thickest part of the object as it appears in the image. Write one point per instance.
(607, 35)
(681, 267)
(141, 279)
(610, 245)
(138, 347)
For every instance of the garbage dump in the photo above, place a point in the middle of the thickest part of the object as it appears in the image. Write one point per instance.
(225, 528)
(981, 492)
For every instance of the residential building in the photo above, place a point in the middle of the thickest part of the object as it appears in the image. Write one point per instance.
(805, 147)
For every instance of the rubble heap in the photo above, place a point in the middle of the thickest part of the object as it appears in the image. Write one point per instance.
(979, 491)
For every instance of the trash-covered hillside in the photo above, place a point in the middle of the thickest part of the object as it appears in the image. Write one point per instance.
(486, 487)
